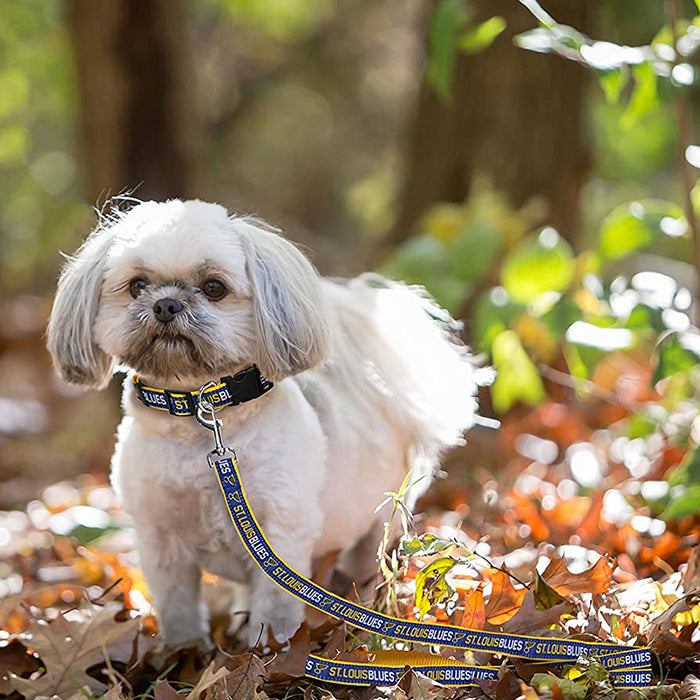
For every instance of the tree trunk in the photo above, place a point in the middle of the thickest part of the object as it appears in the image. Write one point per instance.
(515, 116)
(138, 125)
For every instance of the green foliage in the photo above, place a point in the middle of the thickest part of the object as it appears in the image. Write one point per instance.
(448, 17)
(538, 264)
(450, 31)
(517, 378)
(479, 37)
(637, 225)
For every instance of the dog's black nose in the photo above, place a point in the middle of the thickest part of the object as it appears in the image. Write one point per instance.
(165, 309)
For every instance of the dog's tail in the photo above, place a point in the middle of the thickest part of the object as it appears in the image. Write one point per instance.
(413, 358)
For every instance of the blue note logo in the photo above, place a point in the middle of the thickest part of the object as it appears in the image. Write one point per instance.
(529, 646)
(320, 668)
(459, 636)
(271, 561)
(388, 627)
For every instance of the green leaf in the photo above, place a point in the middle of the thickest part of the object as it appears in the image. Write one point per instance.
(688, 472)
(424, 544)
(473, 250)
(448, 17)
(492, 315)
(431, 585)
(561, 316)
(613, 82)
(538, 264)
(640, 426)
(644, 97)
(675, 353)
(417, 260)
(479, 37)
(687, 503)
(517, 378)
(632, 227)
(86, 534)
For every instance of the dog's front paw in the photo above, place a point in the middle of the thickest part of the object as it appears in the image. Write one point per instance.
(273, 615)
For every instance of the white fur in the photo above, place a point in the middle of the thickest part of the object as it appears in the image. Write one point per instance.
(369, 384)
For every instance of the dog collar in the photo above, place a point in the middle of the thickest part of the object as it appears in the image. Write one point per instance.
(243, 386)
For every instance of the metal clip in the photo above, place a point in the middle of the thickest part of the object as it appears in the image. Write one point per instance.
(210, 421)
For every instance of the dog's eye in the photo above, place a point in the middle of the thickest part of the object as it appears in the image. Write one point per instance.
(136, 286)
(214, 290)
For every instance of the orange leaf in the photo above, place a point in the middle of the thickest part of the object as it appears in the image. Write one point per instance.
(528, 512)
(474, 615)
(504, 600)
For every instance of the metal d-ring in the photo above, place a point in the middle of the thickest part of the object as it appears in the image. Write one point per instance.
(210, 422)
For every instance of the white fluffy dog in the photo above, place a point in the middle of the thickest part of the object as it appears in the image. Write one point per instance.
(369, 383)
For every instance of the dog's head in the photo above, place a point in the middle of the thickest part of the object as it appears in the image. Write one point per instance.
(181, 289)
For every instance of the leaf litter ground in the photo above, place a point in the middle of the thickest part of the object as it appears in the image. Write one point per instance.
(546, 527)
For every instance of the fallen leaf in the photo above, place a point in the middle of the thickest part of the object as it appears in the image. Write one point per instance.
(545, 596)
(209, 678)
(504, 599)
(67, 648)
(474, 615)
(291, 664)
(530, 619)
(594, 580)
(164, 691)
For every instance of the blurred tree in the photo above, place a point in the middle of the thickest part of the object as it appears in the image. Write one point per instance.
(514, 116)
(139, 127)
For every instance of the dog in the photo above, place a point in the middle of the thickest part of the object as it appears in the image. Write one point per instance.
(370, 381)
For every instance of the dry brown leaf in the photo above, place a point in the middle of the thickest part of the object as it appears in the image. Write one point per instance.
(241, 683)
(209, 678)
(594, 580)
(164, 691)
(15, 658)
(69, 647)
(529, 619)
(291, 664)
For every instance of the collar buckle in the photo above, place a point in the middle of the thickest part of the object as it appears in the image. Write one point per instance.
(246, 385)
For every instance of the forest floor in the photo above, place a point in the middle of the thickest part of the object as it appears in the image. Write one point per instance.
(549, 525)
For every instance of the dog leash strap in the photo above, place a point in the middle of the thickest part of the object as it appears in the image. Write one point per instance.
(243, 386)
(438, 668)
(635, 660)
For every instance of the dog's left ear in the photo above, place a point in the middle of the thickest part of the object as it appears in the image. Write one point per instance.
(76, 356)
(290, 310)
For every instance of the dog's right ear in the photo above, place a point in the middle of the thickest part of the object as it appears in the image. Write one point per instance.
(71, 341)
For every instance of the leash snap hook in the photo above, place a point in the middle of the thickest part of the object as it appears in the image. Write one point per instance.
(206, 416)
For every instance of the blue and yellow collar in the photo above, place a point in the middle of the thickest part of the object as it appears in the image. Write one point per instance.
(243, 386)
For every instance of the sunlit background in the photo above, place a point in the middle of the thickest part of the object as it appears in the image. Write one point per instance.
(537, 177)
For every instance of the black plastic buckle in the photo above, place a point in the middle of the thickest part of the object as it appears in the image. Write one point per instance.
(246, 385)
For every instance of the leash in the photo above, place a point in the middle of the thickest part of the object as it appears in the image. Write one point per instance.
(628, 667)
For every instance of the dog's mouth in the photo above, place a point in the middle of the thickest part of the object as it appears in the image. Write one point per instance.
(171, 341)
